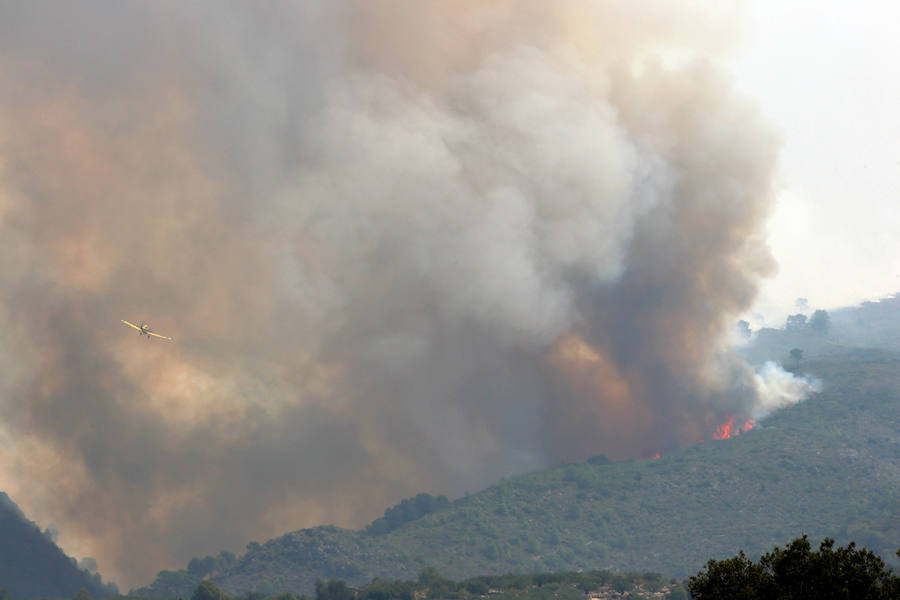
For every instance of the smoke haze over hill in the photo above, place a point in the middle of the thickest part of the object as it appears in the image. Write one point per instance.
(401, 246)
(32, 566)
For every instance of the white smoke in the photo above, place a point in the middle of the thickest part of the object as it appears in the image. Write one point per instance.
(777, 388)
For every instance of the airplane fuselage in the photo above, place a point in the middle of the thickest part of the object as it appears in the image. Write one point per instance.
(144, 329)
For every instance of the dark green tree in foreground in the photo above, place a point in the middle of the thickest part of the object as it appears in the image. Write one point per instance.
(798, 573)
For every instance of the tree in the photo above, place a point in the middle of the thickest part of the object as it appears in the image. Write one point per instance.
(820, 322)
(201, 567)
(431, 576)
(83, 594)
(737, 578)
(796, 355)
(333, 589)
(798, 573)
(795, 322)
(408, 509)
(207, 590)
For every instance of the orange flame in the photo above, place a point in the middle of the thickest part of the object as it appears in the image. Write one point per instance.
(655, 456)
(725, 430)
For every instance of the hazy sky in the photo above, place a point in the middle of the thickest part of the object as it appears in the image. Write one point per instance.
(827, 74)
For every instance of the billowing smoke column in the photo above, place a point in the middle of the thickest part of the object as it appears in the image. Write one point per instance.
(401, 246)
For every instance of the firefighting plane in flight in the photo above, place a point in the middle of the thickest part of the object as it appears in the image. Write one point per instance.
(144, 329)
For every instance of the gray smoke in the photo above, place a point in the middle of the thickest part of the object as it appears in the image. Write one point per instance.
(402, 246)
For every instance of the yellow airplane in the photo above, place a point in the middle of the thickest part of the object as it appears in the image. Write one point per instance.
(145, 330)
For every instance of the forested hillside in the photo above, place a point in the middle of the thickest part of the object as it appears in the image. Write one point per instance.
(829, 466)
(823, 334)
(32, 566)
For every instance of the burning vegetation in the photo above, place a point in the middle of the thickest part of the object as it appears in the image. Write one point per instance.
(728, 428)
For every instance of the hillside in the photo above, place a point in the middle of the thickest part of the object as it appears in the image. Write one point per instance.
(829, 466)
(871, 325)
(32, 566)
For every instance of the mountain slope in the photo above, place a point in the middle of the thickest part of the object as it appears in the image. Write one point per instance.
(827, 467)
(32, 566)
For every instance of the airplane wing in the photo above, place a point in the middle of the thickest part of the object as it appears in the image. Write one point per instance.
(159, 336)
(130, 324)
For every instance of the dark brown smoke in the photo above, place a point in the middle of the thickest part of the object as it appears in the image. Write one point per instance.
(401, 246)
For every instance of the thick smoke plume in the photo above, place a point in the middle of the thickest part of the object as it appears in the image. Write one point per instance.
(402, 246)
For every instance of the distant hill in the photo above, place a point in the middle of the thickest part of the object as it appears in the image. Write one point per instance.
(32, 566)
(829, 466)
(867, 327)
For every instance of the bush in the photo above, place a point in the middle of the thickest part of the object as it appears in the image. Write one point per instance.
(333, 589)
(797, 573)
(206, 590)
